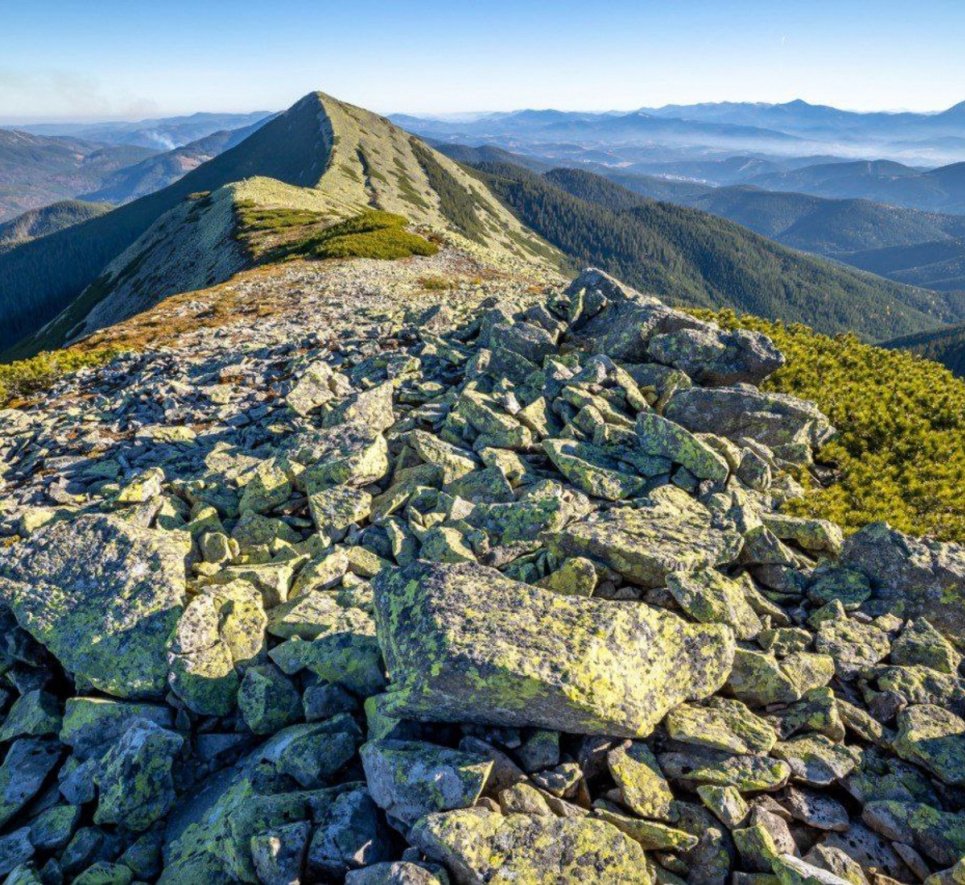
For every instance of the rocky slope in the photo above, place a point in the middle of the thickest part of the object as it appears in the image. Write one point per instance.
(484, 586)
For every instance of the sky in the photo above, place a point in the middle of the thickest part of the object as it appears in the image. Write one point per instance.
(105, 59)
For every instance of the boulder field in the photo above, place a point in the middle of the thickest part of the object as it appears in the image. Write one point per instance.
(502, 596)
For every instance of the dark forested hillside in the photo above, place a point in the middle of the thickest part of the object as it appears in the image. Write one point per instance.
(945, 346)
(42, 222)
(691, 258)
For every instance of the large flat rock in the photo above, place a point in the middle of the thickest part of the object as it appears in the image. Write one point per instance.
(463, 643)
(103, 596)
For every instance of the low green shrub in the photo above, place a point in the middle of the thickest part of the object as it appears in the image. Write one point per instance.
(371, 234)
(26, 378)
(900, 420)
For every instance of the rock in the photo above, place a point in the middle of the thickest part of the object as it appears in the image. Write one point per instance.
(739, 412)
(370, 408)
(409, 779)
(15, 849)
(349, 835)
(351, 455)
(35, 714)
(816, 810)
(664, 439)
(651, 836)
(525, 661)
(726, 803)
(135, 782)
(335, 509)
(921, 644)
(480, 847)
(933, 738)
(313, 754)
(313, 388)
(815, 760)
(643, 787)
(791, 870)
(721, 725)
(745, 773)
(669, 532)
(220, 630)
(818, 535)
(711, 598)
(26, 766)
(586, 466)
(395, 873)
(912, 578)
(268, 701)
(51, 829)
(639, 328)
(91, 725)
(575, 577)
(279, 853)
(347, 659)
(939, 835)
(104, 596)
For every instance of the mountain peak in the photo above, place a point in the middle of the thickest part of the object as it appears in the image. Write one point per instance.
(321, 156)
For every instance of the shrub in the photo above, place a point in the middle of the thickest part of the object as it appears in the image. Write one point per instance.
(25, 378)
(371, 234)
(900, 420)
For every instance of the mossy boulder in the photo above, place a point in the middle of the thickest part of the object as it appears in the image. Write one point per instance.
(485, 848)
(104, 596)
(464, 643)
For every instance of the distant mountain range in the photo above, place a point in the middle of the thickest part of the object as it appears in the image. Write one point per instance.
(39, 169)
(163, 134)
(36, 171)
(697, 132)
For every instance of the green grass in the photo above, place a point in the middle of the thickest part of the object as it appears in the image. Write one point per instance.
(26, 378)
(371, 234)
(900, 442)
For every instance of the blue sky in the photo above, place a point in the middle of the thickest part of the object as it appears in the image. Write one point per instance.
(75, 59)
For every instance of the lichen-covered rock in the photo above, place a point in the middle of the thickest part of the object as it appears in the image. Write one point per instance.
(25, 767)
(349, 835)
(738, 412)
(712, 598)
(104, 596)
(135, 781)
(668, 532)
(663, 438)
(221, 629)
(911, 577)
(934, 738)
(485, 848)
(410, 779)
(722, 724)
(395, 873)
(463, 643)
(642, 785)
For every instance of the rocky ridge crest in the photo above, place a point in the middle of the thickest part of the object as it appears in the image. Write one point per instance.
(481, 592)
